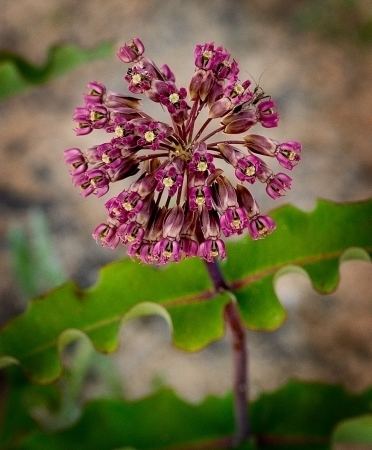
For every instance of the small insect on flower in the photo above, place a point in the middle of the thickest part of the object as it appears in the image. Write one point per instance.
(180, 199)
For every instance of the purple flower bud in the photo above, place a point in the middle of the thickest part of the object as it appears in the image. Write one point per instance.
(278, 184)
(96, 92)
(260, 226)
(173, 222)
(267, 114)
(195, 84)
(288, 154)
(234, 221)
(106, 235)
(225, 194)
(76, 160)
(104, 153)
(145, 186)
(117, 101)
(260, 144)
(189, 247)
(212, 249)
(94, 181)
(168, 74)
(236, 123)
(210, 224)
(220, 108)
(122, 168)
(131, 51)
(248, 168)
(131, 233)
(167, 250)
(230, 153)
(206, 85)
(246, 200)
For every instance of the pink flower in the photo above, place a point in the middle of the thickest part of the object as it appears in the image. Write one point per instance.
(186, 188)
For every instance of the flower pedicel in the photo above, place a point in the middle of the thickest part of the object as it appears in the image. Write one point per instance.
(181, 203)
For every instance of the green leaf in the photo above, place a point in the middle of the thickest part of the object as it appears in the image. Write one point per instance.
(354, 431)
(35, 266)
(314, 242)
(17, 74)
(182, 293)
(298, 416)
(304, 414)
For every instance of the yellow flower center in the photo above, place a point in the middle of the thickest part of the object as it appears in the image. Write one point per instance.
(174, 98)
(127, 206)
(202, 166)
(250, 171)
(105, 158)
(214, 253)
(291, 156)
(207, 54)
(149, 136)
(136, 78)
(94, 115)
(168, 182)
(119, 131)
(236, 223)
(238, 89)
(262, 231)
(167, 254)
(200, 199)
(129, 238)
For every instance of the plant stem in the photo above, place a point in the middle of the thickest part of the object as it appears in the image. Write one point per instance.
(238, 332)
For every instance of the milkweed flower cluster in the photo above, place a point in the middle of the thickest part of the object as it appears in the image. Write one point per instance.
(180, 202)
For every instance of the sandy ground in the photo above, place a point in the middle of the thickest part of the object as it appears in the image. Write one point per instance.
(322, 85)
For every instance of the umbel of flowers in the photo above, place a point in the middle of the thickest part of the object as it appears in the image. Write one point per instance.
(180, 199)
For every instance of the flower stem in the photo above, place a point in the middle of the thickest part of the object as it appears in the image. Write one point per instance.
(202, 128)
(217, 130)
(240, 349)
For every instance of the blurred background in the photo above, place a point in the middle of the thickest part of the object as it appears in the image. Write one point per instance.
(313, 56)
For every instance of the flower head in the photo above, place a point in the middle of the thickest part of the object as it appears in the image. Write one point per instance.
(179, 200)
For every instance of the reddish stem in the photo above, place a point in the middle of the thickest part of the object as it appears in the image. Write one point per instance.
(202, 128)
(217, 130)
(227, 142)
(238, 332)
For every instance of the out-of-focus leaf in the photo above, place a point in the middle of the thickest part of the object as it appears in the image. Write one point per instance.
(305, 412)
(182, 293)
(35, 265)
(298, 416)
(17, 73)
(354, 431)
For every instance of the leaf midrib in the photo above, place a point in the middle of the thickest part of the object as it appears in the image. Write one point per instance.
(203, 296)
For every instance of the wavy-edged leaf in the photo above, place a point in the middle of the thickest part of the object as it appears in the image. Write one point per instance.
(354, 431)
(298, 416)
(182, 293)
(315, 242)
(17, 74)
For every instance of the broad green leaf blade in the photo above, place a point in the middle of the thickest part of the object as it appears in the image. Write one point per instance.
(304, 414)
(354, 431)
(313, 241)
(17, 74)
(182, 293)
(298, 416)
